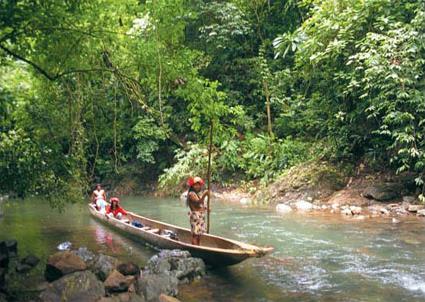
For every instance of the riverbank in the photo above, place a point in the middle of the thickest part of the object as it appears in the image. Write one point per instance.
(81, 275)
(360, 193)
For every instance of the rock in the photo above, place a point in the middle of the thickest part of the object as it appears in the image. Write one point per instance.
(409, 199)
(12, 247)
(360, 217)
(303, 205)
(63, 263)
(324, 207)
(245, 201)
(413, 208)
(129, 269)
(4, 261)
(394, 220)
(23, 268)
(183, 196)
(421, 213)
(117, 282)
(176, 263)
(383, 192)
(30, 260)
(2, 278)
(283, 208)
(103, 265)
(384, 211)
(335, 206)
(64, 246)
(152, 286)
(165, 298)
(346, 211)
(85, 254)
(3, 248)
(356, 210)
(123, 297)
(75, 287)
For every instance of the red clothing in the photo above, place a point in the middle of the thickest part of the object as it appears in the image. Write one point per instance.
(115, 212)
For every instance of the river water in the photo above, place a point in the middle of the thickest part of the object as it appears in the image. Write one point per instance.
(316, 258)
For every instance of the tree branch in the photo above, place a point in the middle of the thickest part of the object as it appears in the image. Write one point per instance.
(45, 73)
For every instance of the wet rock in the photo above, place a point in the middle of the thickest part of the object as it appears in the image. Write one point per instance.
(152, 286)
(359, 217)
(117, 282)
(64, 246)
(413, 208)
(383, 192)
(2, 278)
(303, 205)
(283, 208)
(12, 247)
(4, 261)
(183, 196)
(384, 211)
(356, 210)
(123, 297)
(85, 254)
(3, 248)
(165, 298)
(75, 287)
(63, 263)
(245, 201)
(103, 265)
(22, 268)
(176, 263)
(129, 269)
(30, 260)
(346, 211)
(421, 213)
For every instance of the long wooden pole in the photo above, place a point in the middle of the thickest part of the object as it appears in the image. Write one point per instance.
(209, 175)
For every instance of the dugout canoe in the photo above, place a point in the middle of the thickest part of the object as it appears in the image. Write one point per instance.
(214, 250)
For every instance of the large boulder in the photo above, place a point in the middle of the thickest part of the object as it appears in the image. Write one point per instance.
(103, 265)
(123, 297)
(176, 263)
(75, 287)
(63, 263)
(117, 282)
(152, 286)
(414, 208)
(383, 192)
(283, 208)
(303, 205)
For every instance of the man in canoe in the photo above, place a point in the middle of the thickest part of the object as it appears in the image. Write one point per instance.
(114, 209)
(99, 198)
(195, 201)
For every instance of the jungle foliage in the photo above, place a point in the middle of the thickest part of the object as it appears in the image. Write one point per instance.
(102, 90)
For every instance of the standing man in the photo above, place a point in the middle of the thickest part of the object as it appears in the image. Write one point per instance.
(195, 201)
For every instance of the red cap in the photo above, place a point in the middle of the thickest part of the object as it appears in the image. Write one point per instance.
(193, 180)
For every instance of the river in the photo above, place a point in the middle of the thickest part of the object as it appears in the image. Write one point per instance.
(316, 258)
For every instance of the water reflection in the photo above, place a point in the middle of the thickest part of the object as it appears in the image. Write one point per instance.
(316, 258)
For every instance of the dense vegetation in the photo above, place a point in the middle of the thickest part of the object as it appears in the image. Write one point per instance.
(105, 90)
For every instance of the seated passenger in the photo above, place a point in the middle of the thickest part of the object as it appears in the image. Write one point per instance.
(114, 209)
(98, 194)
(101, 205)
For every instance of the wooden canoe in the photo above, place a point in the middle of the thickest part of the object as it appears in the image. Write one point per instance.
(214, 250)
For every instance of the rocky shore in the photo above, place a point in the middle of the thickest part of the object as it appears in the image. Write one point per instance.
(319, 188)
(83, 276)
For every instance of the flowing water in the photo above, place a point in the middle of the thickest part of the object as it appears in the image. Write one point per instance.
(316, 258)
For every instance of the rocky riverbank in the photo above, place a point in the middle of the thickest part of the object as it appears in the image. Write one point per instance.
(81, 275)
(321, 187)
